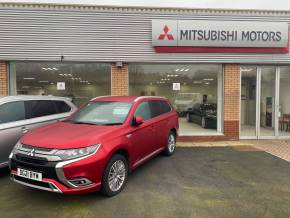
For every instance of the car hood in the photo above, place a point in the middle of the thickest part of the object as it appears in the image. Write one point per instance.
(64, 135)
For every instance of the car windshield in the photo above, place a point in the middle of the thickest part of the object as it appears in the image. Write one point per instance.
(102, 113)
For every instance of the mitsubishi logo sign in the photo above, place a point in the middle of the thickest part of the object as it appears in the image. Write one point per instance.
(219, 36)
(31, 153)
(165, 34)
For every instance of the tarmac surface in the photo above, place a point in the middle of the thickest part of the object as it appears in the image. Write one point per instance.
(194, 182)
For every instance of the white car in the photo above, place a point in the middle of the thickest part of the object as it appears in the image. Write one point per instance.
(19, 114)
(184, 101)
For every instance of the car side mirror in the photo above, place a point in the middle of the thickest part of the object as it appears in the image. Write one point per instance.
(138, 120)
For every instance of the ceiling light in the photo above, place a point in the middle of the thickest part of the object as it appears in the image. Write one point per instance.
(43, 81)
(208, 79)
(197, 82)
(186, 69)
(89, 83)
(177, 70)
(176, 75)
(246, 69)
(60, 74)
(182, 69)
(54, 68)
(25, 87)
(206, 83)
(29, 78)
(43, 68)
(51, 83)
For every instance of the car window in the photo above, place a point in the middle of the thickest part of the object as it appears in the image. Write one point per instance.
(62, 107)
(165, 107)
(12, 111)
(144, 111)
(39, 108)
(159, 107)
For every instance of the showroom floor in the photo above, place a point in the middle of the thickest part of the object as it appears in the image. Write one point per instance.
(187, 128)
(195, 182)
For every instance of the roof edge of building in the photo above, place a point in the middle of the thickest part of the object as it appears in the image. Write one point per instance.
(90, 7)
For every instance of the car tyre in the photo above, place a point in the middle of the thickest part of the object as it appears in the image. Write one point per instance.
(115, 176)
(171, 144)
(203, 122)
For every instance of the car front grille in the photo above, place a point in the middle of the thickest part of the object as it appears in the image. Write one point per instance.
(29, 159)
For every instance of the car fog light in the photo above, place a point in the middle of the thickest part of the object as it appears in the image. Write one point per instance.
(81, 182)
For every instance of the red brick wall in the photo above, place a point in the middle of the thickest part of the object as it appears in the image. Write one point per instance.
(232, 100)
(120, 82)
(3, 79)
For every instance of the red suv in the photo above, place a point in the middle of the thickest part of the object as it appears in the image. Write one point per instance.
(96, 147)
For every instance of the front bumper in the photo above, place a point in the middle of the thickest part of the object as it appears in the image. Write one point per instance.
(58, 176)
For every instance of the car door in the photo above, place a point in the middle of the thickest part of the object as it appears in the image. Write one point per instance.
(12, 118)
(143, 136)
(160, 111)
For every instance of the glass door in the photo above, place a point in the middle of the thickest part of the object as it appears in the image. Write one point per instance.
(268, 101)
(248, 102)
(260, 102)
(284, 102)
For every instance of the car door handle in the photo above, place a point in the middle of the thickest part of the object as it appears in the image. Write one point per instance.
(24, 129)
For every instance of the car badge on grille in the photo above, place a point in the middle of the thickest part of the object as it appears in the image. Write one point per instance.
(31, 153)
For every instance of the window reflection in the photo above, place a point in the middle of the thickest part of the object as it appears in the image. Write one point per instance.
(191, 88)
(81, 82)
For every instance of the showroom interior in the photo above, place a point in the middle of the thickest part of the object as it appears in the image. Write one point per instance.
(200, 84)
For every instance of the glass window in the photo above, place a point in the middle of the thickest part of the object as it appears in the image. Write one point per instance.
(185, 85)
(284, 101)
(159, 107)
(102, 113)
(144, 111)
(12, 111)
(62, 107)
(39, 108)
(81, 82)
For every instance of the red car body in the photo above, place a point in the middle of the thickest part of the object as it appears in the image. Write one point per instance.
(137, 143)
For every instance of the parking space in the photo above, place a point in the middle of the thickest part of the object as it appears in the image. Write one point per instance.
(195, 182)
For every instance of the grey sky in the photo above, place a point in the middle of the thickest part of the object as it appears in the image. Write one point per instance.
(232, 4)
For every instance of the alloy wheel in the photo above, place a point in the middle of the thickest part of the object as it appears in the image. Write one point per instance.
(117, 175)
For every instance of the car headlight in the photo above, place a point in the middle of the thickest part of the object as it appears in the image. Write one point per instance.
(15, 148)
(67, 154)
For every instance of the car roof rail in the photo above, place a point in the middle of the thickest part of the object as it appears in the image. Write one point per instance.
(142, 97)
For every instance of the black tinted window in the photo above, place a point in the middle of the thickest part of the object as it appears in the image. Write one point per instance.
(61, 107)
(144, 111)
(13, 111)
(39, 108)
(159, 108)
(165, 107)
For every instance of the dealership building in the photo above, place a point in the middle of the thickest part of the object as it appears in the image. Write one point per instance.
(227, 72)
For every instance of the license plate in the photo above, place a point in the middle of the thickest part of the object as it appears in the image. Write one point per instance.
(29, 174)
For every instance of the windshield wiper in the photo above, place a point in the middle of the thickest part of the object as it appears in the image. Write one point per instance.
(80, 122)
(111, 124)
